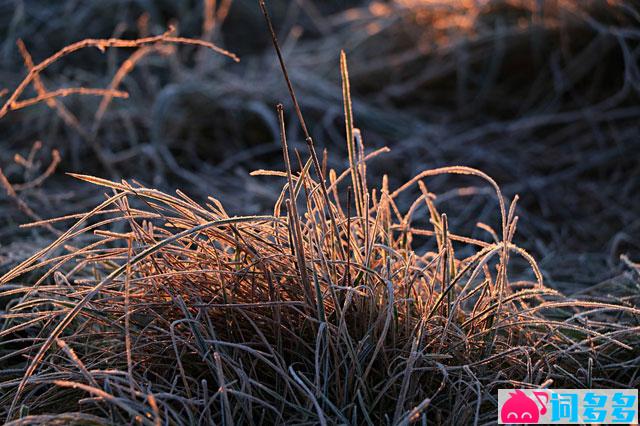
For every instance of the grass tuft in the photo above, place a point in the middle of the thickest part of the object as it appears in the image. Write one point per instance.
(169, 311)
(343, 306)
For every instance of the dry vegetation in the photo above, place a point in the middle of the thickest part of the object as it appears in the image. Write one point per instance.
(354, 297)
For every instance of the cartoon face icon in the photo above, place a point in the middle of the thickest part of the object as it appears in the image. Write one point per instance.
(519, 408)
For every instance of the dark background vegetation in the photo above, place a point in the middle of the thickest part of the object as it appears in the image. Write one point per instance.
(543, 96)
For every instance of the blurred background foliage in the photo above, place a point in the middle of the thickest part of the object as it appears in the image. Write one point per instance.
(541, 95)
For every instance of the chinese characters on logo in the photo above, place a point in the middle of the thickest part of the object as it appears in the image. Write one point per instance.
(567, 406)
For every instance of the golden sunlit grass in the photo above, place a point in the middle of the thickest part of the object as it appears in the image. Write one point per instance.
(156, 309)
(183, 312)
